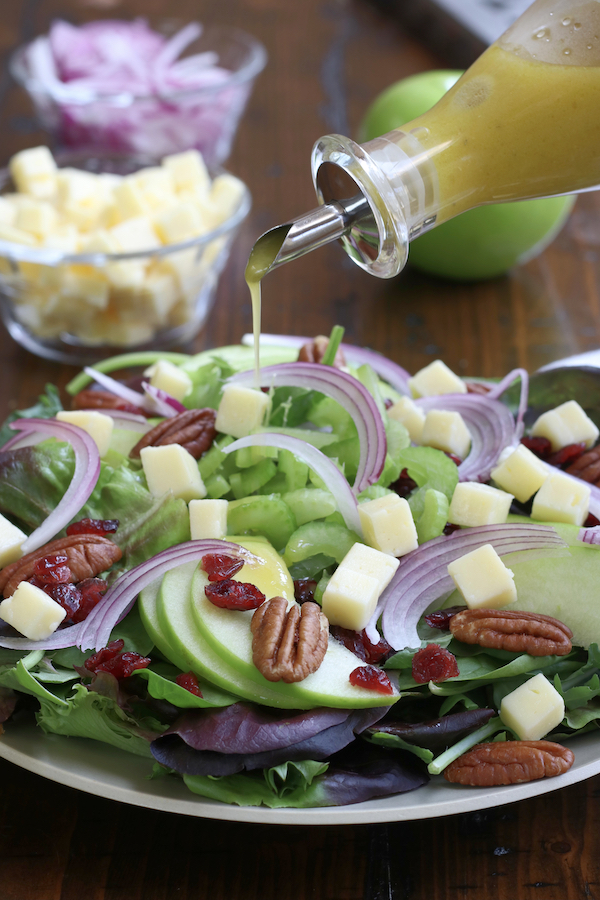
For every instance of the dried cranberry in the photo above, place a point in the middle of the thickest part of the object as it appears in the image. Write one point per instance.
(52, 569)
(566, 455)
(230, 594)
(455, 459)
(66, 595)
(189, 681)
(93, 526)
(591, 521)
(541, 446)
(388, 402)
(111, 659)
(372, 678)
(359, 643)
(404, 485)
(219, 567)
(92, 590)
(304, 590)
(441, 617)
(450, 528)
(433, 663)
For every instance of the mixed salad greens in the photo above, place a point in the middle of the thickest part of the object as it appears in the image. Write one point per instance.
(295, 483)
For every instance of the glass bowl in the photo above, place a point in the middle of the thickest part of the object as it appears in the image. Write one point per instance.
(81, 307)
(167, 122)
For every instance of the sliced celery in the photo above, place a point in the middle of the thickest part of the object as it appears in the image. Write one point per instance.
(247, 482)
(319, 537)
(262, 514)
(308, 504)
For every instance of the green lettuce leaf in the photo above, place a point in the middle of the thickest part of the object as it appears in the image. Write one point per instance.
(47, 406)
(431, 470)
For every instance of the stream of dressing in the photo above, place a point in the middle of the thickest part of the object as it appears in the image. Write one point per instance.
(262, 256)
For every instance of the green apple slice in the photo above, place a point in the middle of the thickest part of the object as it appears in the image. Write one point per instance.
(228, 633)
(147, 606)
(195, 653)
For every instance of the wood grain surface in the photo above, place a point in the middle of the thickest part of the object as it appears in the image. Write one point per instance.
(327, 60)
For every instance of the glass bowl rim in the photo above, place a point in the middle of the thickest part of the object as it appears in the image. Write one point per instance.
(52, 257)
(249, 70)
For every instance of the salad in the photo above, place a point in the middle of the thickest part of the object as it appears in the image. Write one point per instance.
(250, 623)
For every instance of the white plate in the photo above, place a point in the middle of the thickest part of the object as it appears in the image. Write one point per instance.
(107, 772)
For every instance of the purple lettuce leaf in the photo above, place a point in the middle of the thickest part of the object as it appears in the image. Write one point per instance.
(247, 737)
(8, 701)
(436, 734)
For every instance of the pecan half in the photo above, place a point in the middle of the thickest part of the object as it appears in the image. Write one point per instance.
(194, 429)
(287, 645)
(92, 399)
(587, 466)
(88, 555)
(509, 762)
(314, 352)
(520, 632)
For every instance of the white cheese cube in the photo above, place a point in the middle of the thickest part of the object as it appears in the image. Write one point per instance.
(34, 172)
(225, 194)
(354, 588)
(156, 186)
(436, 378)
(475, 504)
(160, 292)
(98, 425)
(172, 468)
(566, 424)
(16, 235)
(135, 235)
(446, 430)
(208, 519)
(37, 217)
(129, 199)
(170, 378)
(410, 415)
(179, 223)
(11, 539)
(241, 411)
(32, 612)
(388, 525)
(126, 276)
(99, 241)
(188, 171)
(483, 579)
(533, 709)
(65, 238)
(87, 284)
(8, 211)
(562, 499)
(520, 473)
(80, 196)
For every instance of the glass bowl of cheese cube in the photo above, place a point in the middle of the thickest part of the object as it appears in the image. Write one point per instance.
(107, 253)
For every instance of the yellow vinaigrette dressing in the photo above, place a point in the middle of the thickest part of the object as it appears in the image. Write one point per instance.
(262, 257)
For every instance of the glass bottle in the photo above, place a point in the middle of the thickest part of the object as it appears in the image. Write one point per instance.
(522, 122)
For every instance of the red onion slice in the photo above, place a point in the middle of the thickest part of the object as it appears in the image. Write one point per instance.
(422, 576)
(589, 535)
(126, 420)
(389, 371)
(85, 476)
(119, 599)
(164, 404)
(498, 389)
(65, 637)
(349, 393)
(115, 387)
(316, 459)
(492, 428)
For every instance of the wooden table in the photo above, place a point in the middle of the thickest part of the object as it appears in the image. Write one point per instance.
(327, 60)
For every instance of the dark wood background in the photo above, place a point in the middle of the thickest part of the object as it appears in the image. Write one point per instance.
(327, 60)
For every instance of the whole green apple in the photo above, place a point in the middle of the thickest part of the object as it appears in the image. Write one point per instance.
(483, 242)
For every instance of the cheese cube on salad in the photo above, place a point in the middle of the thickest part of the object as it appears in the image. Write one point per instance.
(98, 425)
(208, 519)
(350, 598)
(562, 499)
(388, 525)
(475, 504)
(241, 411)
(436, 378)
(521, 473)
(34, 172)
(11, 539)
(32, 612)
(566, 424)
(445, 430)
(410, 415)
(533, 709)
(483, 579)
(172, 468)
(170, 378)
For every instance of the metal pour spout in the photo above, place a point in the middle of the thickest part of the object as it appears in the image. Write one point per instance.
(316, 228)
